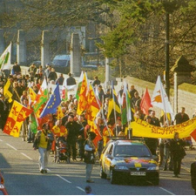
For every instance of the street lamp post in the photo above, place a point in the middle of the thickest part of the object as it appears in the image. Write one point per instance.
(167, 88)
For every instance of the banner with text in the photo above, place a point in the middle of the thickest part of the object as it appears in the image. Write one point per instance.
(143, 129)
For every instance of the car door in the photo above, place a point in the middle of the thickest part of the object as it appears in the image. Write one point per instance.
(108, 158)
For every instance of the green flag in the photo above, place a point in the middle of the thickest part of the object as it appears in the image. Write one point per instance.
(79, 85)
(5, 58)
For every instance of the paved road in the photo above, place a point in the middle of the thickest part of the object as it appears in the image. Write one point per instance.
(19, 163)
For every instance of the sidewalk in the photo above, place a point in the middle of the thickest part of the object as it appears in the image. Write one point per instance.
(188, 159)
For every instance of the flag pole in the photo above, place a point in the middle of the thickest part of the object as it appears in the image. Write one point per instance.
(114, 106)
(164, 106)
(101, 108)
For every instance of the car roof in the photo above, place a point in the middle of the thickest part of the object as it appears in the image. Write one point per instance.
(127, 142)
(62, 57)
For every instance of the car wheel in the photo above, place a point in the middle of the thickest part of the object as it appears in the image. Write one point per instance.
(112, 177)
(102, 173)
(155, 181)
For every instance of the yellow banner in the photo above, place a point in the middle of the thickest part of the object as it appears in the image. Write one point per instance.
(143, 129)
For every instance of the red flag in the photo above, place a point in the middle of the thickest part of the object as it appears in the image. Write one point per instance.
(145, 102)
(193, 134)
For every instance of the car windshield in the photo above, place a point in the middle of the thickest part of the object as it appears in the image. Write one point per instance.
(131, 151)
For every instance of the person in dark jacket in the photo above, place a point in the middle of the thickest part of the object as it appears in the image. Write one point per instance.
(81, 137)
(70, 80)
(193, 175)
(16, 69)
(152, 143)
(52, 75)
(72, 134)
(60, 79)
(4, 111)
(177, 152)
(96, 81)
(181, 117)
(89, 156)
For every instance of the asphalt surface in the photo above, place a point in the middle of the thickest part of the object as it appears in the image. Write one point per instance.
(19, 164)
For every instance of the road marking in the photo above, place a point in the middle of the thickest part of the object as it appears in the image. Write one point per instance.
(167, 191)
(80, 188)
(11, 146)
(63, 178)
(27, 156)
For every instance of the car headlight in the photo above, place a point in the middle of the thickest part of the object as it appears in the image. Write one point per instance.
(153, 168)
(121, 167)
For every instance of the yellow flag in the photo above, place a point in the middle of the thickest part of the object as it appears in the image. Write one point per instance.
(32, 95)
(59, 113)
(17, 115)
(82, 102)
(92, 106)
(6, 91)
(143, 129)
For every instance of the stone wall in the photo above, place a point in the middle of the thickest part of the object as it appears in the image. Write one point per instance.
(186, 94)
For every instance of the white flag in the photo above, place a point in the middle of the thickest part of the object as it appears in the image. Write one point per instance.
(5, 59)
(160, 99)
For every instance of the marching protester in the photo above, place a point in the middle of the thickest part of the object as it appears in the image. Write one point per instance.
(43, 143)
(181, 116)
(177, 152)
(72, 128)
(70, 80)
(89, 156)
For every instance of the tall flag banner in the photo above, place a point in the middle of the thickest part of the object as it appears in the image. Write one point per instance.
(82, 102)
(160, 99)
(17, 115)
(33, 123)
(124, 110)
(79, 85)
(32, 96)
(41, 97)
(145, 102)
(59, 113)
(53, 102)
(6, 91)
(64, 95)
(92, 106)
(113, 104)
(126, 106)
(5, 58)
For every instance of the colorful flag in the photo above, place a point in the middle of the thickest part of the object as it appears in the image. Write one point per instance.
(6, 91)
(5, 58)
(59, 131)
(53, 102)
(33, 123)
(160, 99)
(145, 102)
(17, 115)
(113, 104)
(59, 113)
(64, 95)
(126, 106)
(92, 106)
(79, 85)
(32, 96)
(82, 102)
(41, 97)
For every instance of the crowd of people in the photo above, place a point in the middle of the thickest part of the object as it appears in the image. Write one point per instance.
(76, 131)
